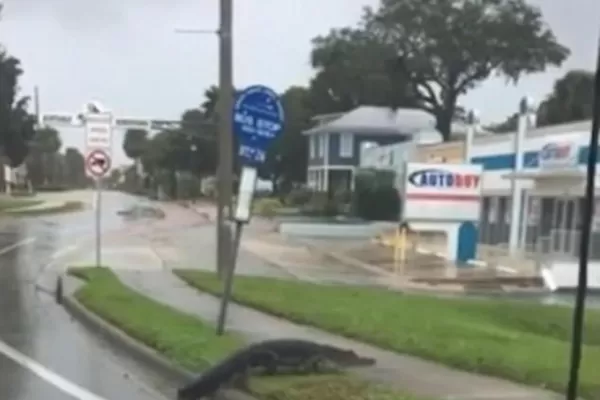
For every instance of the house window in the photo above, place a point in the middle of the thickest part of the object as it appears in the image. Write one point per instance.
(321, 146)
(312, 146)
(346, 145)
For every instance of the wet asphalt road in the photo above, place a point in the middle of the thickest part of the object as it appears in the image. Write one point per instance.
(43, 353)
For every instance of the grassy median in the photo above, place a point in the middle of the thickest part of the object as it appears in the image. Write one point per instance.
(517, 340)
(32, 211)
(183, 338)
(8, 202)
(192, 343)
(322, 387)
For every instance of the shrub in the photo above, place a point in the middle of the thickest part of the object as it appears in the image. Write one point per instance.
(299, 197)
(375, 196)
(266, 207)
(321, 205)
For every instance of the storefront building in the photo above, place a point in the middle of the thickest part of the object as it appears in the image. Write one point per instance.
(553, 182)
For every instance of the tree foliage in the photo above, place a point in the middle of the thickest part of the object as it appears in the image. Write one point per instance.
(134, 142)
(444, 48)
(74, 162)
(16, 124)
(403, 53)
(42, 163)
(570, 100)
(352, 69)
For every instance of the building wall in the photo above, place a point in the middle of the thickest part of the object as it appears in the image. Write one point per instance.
(332, 148)
(496, 152)
(449, 152)
(314, 156)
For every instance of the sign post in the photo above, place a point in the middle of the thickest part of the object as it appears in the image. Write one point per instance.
(258, 119)
(98, 129)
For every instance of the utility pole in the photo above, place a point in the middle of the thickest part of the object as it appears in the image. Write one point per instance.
(225, 132)
(225, 167)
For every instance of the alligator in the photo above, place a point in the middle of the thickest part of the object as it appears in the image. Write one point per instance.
(269, 358)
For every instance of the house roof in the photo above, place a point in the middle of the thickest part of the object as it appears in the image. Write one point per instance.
(378, 121)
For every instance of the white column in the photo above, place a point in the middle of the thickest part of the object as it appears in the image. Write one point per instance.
(472, 122)
(320, 180)
(326, 162)
(525, 110)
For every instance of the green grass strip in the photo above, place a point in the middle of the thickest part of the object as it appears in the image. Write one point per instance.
(193, 344)
(183, 338)
(517, 340)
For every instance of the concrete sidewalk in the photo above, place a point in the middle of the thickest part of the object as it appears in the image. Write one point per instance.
(403, 372)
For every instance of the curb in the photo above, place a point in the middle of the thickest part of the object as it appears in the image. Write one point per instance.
(137, 350)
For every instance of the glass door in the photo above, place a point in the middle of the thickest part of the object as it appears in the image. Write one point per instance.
(565, 223)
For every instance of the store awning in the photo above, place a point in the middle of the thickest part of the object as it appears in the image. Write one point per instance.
(558, 174)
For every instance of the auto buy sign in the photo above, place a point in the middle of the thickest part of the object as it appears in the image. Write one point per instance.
(434, 192)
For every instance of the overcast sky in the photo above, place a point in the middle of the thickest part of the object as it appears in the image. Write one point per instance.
(125, 52)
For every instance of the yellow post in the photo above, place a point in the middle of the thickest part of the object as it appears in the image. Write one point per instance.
(399, 249)
(396, 250)
(403, 247)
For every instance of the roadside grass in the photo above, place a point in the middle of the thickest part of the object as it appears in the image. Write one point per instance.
(193, 344)
(321, 387)
(181, 337)
(25, 211)
(518, 340)
(9, 202)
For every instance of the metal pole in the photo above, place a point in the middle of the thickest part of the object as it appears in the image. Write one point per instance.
(516, 186)
(225, 167)
(98, 222)
(36, 105)
(228, 284)
(584, 242)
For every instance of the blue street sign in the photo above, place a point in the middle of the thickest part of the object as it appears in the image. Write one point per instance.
(257, 120)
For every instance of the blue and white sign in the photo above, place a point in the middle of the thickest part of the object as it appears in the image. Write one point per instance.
(257, 120)
(559, 155)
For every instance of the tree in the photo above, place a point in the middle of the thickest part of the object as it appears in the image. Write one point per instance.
(115, 177)
(510, 124)
(448, 47)
(209, 106)
(571, 99)
(202, 133)
(167, 153)
(134, 145)
(16, 124)
(208, 128)
(286, 158)
(352, 70)
(74, 168)
(41, 163)
(134, 142)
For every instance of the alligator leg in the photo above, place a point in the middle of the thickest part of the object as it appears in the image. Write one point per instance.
(320, 364)
(313, 364)
(240, 380)
(270, 363)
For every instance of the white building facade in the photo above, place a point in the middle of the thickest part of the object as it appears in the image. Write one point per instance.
(553, 184)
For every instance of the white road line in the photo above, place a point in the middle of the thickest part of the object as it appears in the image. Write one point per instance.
(44, 373)
(64, 251)
(13, 246)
